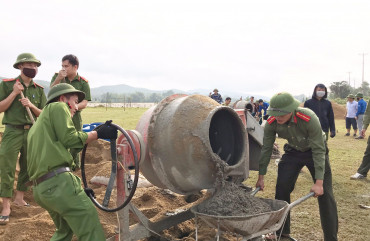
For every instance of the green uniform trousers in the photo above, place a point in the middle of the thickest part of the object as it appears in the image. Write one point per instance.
(288, 171)
(14, 142)
(77, 121)
(365, 165)
(70, 208)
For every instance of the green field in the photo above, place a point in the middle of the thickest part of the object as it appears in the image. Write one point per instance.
(345, 157)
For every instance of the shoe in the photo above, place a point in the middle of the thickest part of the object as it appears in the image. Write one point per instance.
(359, 137)
(357, 176)
(283, 237)
(354, 134)
(347, 134)
(4, 220)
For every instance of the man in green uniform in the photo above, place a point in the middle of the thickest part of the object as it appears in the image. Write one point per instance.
(55, 188)
(68, 74)
(306, 147)
(17, 124)
(365, 164)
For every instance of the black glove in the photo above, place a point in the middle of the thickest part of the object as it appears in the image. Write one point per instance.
(89, 192)
(107, 131)
(332, 134)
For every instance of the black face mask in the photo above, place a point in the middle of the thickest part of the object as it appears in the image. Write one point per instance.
(30, 73)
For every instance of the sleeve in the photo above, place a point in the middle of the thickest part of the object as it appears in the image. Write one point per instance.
(86, 90)
(359, 107)
(366, 117)
(3, 91)
(53, 79)
(64, 127)
(269, 137)
(317, 144)
(331, 118)
(43, 100)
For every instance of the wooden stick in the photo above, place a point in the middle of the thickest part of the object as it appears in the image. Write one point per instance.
(28, 111)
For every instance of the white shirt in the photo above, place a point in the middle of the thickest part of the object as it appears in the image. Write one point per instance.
(352, 109)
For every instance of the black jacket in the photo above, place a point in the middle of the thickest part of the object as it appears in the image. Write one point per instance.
(323, 109)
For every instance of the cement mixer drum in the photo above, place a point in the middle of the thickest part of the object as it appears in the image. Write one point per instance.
(183, 136)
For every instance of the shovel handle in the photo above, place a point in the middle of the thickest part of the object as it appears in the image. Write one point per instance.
(28, 111)
(255, 191)
(300, 200)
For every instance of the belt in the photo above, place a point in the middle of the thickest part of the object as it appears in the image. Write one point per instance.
(48, 176)
(23, 127)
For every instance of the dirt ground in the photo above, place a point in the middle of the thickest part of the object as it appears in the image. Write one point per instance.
(34, 223)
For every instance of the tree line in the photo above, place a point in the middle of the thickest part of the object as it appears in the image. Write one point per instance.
(136, 97)
(342, 89)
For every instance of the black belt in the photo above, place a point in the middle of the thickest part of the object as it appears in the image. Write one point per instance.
(23, 127)
(48, 176)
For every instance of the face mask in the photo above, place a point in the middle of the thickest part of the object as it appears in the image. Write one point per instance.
(320, 93)
(30, 73)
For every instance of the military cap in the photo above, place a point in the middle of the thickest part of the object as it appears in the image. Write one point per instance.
(360, 95)
(26, 57)
(281, 104)
(351, 96)
(61, 89)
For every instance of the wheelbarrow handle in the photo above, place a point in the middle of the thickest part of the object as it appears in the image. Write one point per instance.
(300, 200)
(255, 191)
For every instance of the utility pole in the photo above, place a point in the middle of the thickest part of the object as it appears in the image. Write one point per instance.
(363, 65)
(349, 78)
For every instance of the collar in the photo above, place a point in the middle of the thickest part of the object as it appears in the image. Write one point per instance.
(77, 78)
(19, 78)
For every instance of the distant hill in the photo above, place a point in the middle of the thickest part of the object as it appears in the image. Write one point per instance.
(122, 89)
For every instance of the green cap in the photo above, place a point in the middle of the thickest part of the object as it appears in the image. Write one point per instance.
(360, 95)
(63, 88)
(281, 104)
(351, 96)
(26, 57)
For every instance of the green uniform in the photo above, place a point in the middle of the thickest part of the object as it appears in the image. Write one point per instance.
(365, 164)
(14, 140)
(62, 195)
(79, 83)
(305, 147)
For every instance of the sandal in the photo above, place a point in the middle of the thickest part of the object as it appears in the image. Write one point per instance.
(25, 205)
(4, 220)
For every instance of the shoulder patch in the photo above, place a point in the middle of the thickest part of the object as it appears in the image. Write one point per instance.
(271, 119)
(7, 80)
(304, 117)
(84, 79)
(36, 84)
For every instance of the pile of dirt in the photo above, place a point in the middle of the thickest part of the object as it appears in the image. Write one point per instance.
(233, 200)
(339, 110)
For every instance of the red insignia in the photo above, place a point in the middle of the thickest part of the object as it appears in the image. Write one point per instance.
(271, 119)
(303, 116)
(35, 84)
(83, 79)
(7, 80)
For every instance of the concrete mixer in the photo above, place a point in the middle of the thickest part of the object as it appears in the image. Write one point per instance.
(180, 144)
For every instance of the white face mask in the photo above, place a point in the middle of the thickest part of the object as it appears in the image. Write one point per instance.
(320, 93)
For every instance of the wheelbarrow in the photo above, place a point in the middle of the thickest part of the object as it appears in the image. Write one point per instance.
(250, 226)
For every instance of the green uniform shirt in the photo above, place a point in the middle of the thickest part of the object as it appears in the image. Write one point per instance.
(50, 138)
(80, 83)
(17, 114)
(303, 133)
(366, 117)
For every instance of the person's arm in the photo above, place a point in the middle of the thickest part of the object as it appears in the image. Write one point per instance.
(27, 103)
(317, 144)
(269, 137)
(331, 120)
(82, 105)
(57, 78)
(8, 100)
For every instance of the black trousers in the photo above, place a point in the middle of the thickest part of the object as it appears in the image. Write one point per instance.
(289, 167)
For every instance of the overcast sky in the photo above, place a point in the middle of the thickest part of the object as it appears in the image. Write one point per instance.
(259, 47)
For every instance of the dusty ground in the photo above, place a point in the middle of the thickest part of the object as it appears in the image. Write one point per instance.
(34, 223)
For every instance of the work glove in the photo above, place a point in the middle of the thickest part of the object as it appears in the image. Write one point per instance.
(89, 192)
(107, 131)
(332, 134)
